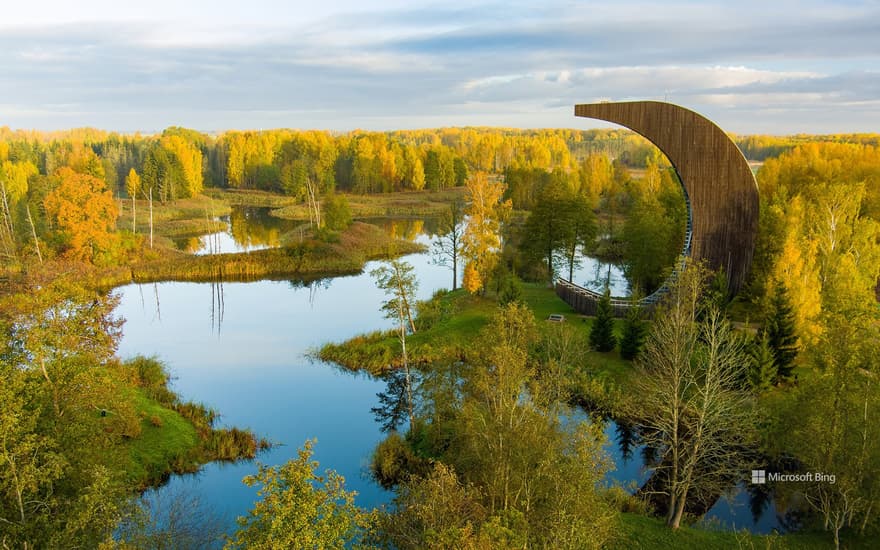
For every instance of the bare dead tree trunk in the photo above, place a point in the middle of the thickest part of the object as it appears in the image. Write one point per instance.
(313, 201)
(151, 217)
(34, 233)
(133, 214)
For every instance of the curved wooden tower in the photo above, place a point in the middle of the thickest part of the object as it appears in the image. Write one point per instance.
(719, 186)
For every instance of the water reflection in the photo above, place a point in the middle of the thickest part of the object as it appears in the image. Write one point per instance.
(247, 228)
(256, 373)
(596, 275)
(757, 508)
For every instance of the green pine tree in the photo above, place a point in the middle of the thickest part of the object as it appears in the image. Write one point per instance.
(511, 291)
(602, 332)
(634, 331)
(779, 328)
(762, 369)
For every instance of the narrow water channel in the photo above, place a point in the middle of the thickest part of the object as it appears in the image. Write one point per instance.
(240, 348)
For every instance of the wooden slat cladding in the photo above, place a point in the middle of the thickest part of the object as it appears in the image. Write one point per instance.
(720, 185)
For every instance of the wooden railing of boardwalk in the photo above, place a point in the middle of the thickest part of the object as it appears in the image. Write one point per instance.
(584, 301)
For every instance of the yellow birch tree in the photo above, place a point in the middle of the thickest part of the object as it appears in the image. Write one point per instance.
(482, 239)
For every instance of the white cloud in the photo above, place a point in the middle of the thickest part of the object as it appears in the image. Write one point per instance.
(380, 67)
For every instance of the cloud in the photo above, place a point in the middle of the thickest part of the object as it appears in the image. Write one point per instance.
(502, 64)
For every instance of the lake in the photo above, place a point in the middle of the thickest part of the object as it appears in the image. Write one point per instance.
(241, 348)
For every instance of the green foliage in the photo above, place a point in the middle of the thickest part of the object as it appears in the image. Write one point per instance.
(399, 282)
(337, 214)
(535, 477)
(717, 294)
(298, 508)
(831, 422)
(435, 512)
(642, 532)
(650, 243)
(435, 310)
(511, 291)
(394, 461)
(62, 461)
(762, 369)
(561, 221)
(780, 330)
(635, 329)
(690, 404)
(602, 336)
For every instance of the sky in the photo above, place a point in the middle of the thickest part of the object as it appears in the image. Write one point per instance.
(774, 66)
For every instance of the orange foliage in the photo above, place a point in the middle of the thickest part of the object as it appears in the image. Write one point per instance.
(84, 213)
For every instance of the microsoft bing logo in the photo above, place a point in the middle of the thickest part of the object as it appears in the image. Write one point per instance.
(759, 477)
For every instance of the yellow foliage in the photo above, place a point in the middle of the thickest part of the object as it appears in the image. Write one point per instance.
(482, 239)
(190, 158)
(14, 178)
(798, 268)
(132, 183)
(472, 281)
(84, 213)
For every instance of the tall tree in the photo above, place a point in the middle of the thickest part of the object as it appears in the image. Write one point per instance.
(635, 329)
(780, 331)
(549, 226)
(691, 404)
(337, 214)
(399, 282)
(84, 214)
(133, 186)
(582, 231)
(762, 368)
(647, 234)
(481, 239)
(188, 158)
(446, 248)
(602, 336)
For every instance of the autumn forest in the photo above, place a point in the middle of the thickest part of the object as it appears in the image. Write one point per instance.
(492, 422)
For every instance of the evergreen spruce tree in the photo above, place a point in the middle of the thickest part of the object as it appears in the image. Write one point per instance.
(511, 291)
(634, 331)
(779, 328)
(762, 369)
(602, 332)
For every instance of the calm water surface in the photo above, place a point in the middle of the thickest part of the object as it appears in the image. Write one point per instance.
(241, 348)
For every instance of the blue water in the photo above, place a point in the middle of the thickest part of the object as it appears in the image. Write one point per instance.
(240, 348)
(251, 366)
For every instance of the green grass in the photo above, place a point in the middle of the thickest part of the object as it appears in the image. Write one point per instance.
(200, 209)
(380, 205)
(165, 443)
(250, 197)
(644, 532)
(450, 337)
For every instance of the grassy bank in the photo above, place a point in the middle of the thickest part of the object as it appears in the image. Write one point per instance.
(346, 252)
(176, 437)
(397, 204)
(449, 330)
(400, 204)
(250, 197)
